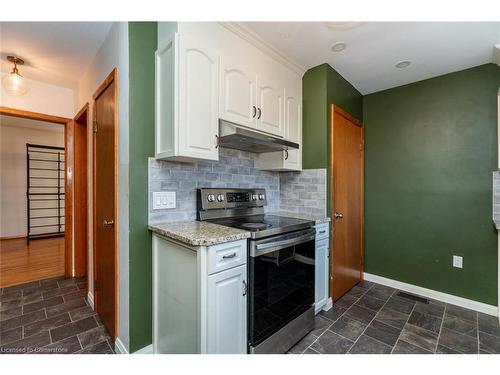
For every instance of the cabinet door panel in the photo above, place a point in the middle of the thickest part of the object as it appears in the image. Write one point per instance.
(198, 91)
(321, 275)
(293, 125)
(237, 94)
(270, 108)
(227, 309)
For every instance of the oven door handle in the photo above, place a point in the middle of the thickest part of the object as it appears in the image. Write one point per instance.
(268, 247)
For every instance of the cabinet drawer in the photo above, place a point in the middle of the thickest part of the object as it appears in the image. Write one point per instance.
(322, 231)
(227, 255)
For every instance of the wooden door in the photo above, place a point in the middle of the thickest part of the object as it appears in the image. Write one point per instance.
(347, 188)
(104, 178)
(237, 93)
(270, 107)
(226, 312)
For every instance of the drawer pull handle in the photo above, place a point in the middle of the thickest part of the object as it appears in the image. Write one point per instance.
(322, 231)
(229, 256)
(245, 288)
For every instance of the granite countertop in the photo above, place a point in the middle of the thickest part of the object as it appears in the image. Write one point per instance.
(199, 233)
(316, 219)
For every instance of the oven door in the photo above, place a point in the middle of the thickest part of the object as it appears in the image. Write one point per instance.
(281, 281)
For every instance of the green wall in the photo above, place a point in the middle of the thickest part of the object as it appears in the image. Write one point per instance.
(430, 149)
(142, 45)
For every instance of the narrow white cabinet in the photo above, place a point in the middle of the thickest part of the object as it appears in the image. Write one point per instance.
(270, 106)
(237, 93)
(226, 311)
(186, 100)
(321, 298)
(199, 297)
(290, 160)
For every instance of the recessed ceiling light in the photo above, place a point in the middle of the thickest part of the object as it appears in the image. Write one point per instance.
(339, 46)
(403, 64)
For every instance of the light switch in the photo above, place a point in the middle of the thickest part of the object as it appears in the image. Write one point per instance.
(163, 200)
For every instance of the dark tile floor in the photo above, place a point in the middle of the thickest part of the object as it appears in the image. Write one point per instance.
(50, 316)
(371, 319)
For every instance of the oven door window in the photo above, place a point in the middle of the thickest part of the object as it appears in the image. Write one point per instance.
(281, 288)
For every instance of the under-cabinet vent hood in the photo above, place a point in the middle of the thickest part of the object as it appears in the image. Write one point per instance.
(231, 136)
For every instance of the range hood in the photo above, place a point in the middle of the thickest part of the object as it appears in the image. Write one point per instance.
(232, 136)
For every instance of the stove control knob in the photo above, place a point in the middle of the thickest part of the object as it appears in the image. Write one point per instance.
(262, 197)
(254, 197)
(220, 197)
(210, 197)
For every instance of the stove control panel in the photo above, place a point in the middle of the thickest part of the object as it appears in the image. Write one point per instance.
(214, 198)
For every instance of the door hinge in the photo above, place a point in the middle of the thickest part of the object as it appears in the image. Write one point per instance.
(94, 126)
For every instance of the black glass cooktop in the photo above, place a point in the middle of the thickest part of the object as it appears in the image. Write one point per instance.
(265, 225)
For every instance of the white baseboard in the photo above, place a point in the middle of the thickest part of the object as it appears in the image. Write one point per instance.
(328, 304)
(120, 347)
(90, 299)
(146, 350)
(429, 293)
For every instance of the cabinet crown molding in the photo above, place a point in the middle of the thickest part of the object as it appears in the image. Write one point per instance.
(251, 37)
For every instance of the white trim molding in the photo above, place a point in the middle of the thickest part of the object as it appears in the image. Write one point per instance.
(146, 350)
(120, 347)
(434, 294)
(90, 299)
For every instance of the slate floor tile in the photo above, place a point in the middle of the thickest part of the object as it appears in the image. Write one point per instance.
(400, 305)
(381, 292)
(11, 313)
(370, 302)
(81, 313)
(10, 296)
(457, 341)
(430, 309)
(420, 337)
(345, 301)
(22, 320)
(360, 314)
(348, 328)
(368, 345)
(93, 336)
(489, 342)
(46, 324)
(403, 347)
(11, 335)
(365, 284)
(392, 318)
(303, 344)
(321, 324)
(426, 321)
(64, 307)
(461, 312)
(28, 345)
(42, 304)
(67, 346)
(72, 329)
(60, 291)
(489, 324)
(101, 348)
(76, 295)
(331, 343)
(20, 287)
(310, 351)
(356, 292)
(444, 350)
(333, 314)
(459, 325)
(382, 332)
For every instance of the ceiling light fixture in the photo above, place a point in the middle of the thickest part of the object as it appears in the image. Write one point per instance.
(13, 82)
(339, 46)
(403, 64)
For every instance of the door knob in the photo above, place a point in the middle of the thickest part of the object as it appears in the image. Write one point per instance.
(108, 223)
(338, 215)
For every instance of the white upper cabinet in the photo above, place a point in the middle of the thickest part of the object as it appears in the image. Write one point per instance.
(270, 107)
(186, 100)
(237, 93)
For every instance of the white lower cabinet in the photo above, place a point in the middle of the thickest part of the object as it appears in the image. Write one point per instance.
(226, 311)
(322, 256)
(199, 297)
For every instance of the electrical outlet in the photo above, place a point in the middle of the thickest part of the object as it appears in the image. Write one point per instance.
(163, 200)
(457, 261)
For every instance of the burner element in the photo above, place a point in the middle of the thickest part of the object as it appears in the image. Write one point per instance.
(255, 226)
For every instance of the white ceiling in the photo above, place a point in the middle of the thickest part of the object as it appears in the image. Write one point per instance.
(30, 124)
(55, 52)
(373, 48)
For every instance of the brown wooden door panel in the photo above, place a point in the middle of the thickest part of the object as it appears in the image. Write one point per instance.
(347, 190)
(105, 204)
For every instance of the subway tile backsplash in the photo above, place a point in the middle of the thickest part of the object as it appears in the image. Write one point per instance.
(303, 192)
(293, 192)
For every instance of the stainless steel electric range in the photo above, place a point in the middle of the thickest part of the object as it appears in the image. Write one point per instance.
(280, 266)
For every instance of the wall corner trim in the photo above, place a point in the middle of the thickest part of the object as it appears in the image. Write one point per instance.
(146, 350)
(120, 347)
(429, 293)
(90, 299)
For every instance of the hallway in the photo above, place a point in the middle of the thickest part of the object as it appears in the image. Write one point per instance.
(51, 316)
